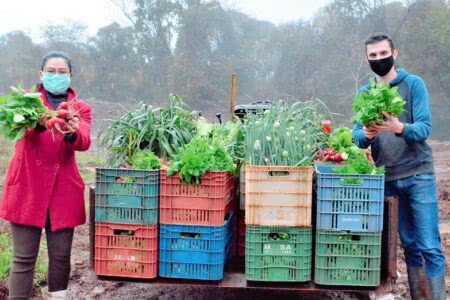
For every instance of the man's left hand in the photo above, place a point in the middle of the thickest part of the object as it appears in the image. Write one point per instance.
(390, 124)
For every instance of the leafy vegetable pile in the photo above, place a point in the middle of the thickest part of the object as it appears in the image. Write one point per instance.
(359, 164)
(20, 111)
(343, 150)
(145, 160)
(341, 146)
(198, 157)
(229, 135)
(368, 106)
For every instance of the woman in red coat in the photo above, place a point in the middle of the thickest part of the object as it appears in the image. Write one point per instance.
(43, 187)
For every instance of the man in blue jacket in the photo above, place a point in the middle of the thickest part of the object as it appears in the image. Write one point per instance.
(399, 144)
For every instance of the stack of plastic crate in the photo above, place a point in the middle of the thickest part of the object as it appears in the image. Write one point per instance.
(278, 239)
(126, 223)
(349, 228)
(241, 215)
(196, 223)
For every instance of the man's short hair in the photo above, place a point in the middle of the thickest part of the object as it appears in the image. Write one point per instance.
(379, 37)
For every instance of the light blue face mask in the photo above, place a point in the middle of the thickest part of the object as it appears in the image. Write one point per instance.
(56, 84)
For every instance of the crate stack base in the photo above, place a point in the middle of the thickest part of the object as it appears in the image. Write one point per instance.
(278, 253)
(195, 252)
(126, 223)
(124, 250)
(348, 258)
(349, 228)
(197, 222)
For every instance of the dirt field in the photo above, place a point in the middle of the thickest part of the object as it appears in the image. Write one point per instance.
(85, 285)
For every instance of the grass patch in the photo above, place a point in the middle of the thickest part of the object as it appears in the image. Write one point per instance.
(6, 152)
(87, 162)
(6, 256)
(90, 159)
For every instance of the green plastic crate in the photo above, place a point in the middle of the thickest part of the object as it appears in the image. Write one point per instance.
(126, 196)
(269, 257)
(352, 259)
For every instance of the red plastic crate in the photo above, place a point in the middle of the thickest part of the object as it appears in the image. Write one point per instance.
(125, 250)
(206, 204)
(241, 234)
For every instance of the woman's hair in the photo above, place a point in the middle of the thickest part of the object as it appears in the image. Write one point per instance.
(56, 54)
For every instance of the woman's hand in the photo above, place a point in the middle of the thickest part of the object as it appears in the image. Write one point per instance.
(43, 120)
(73, 125)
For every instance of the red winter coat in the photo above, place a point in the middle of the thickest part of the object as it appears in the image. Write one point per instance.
(43, 176)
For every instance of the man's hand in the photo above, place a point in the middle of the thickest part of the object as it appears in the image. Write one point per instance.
(371, 132)
(390, 124)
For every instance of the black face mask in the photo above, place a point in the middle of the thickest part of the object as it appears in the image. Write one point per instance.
(382, 66)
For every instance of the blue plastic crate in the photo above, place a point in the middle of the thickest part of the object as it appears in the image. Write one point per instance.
(354, 205)
(127, 196)
(194, 252)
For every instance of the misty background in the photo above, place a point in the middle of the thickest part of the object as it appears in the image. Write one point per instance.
(191, 48)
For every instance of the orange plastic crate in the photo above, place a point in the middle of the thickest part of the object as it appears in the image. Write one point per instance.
(189, 204)
(125, 250)
(278, 196)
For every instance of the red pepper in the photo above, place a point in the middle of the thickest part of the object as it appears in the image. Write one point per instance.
(326, 127)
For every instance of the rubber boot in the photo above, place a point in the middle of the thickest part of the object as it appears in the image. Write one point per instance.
(437, 288)
(59, 295)
(418, 284)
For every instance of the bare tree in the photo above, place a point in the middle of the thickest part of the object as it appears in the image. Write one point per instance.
(127, 8)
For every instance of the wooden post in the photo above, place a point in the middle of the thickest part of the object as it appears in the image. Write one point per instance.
(233, 94)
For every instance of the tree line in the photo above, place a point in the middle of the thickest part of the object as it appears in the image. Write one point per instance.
(191, 48)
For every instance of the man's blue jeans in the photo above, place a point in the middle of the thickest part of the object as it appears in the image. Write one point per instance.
(418, 222)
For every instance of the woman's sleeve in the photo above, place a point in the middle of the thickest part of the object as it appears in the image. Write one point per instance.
(82, 139)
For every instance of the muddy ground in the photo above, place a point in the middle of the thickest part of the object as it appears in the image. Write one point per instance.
(85, 285)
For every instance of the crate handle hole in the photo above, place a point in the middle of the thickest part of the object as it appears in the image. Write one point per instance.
(123, 232)
(279, 236)
(349, 237)
(351, 181)
(278, 173)
(125, 179)
(190, 235)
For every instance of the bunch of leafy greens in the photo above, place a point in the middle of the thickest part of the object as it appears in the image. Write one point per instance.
(369, 105)
(229, 135)
(359, 164)
(341, 139)
(201, 155)
(20, 111)
(145, 160)
(160, 130)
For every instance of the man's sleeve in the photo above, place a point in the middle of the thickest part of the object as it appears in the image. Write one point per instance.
(420, 129)
(359, 137)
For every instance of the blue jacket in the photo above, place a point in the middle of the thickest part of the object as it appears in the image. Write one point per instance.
(409, 154)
